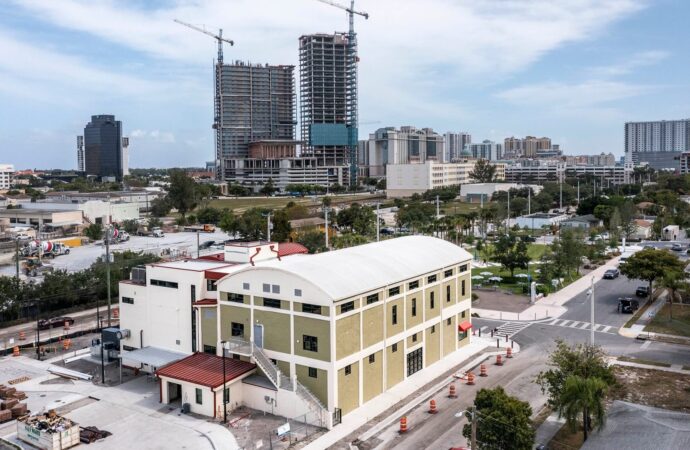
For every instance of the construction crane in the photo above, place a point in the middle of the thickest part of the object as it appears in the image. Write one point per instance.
(218, 107)
(218, 37)
(352, 93)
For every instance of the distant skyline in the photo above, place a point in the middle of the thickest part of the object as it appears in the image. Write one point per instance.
(572, 70)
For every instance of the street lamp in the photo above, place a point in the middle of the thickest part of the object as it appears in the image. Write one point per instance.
(590, 293)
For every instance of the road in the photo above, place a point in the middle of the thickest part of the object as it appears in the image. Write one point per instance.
(81, 258)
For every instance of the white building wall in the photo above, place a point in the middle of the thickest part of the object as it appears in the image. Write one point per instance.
(6, 174)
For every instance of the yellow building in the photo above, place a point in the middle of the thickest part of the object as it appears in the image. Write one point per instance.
(345, 325)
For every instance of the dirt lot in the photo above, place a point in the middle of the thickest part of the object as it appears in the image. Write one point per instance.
(500, 301)
(655, 388)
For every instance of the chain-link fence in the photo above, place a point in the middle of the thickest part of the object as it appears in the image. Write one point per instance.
(295, 430)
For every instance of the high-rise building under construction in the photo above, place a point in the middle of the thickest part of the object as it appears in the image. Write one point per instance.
(257, 104)
(328, 99)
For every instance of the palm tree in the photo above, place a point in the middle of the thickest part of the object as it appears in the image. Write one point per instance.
(583, 397)
(674, 282)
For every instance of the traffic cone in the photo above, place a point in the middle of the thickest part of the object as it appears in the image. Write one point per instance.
(15, 350)
(403, 425)
(22, 336)
(482, 371)
(499, 360)
(470, 378)
(116, 313)
(509, 352)
(451, 391)
(432, 407)
(66, 327)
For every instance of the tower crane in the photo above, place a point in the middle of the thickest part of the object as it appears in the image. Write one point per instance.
(218, 37)
(352, 93)
(218, 107)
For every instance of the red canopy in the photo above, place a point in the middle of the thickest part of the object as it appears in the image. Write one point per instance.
(466, 325)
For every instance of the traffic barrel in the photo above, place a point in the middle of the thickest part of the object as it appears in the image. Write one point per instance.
(499, 360)
(482, 371)
(116, 313)
(403, 424)
(66, 327)
(509, 352)
(451, 391)
(15, 350)
(470, 378)
(432, 407)
(22, 336)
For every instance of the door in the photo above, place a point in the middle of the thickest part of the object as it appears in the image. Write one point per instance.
(259, 335)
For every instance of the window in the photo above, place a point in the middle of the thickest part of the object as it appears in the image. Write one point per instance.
(394, 348)
(210, 349)
(271, 303)
(394, 314)
(298, 292)
(348, 306)
(199, 396)
(311, 309)
(226, 395)
(237, 298)
(447, 293)
(372, 358)
(431, 300)
(414, 337)
(463, 268)
(413, 284)
(414, 361)
(310, 343)
(193, 293)
(414, 307)
(245, 286)
(448, 321)
(348, 370)
(448, 273)
(393, 291)
(267, 287)
(373, 298)
(275, 289)
(433, 329)
(312, 372)
(462, 288)
(211, 285)
(462, 315)
(431, 279)
(128, 300)
(161, 283)
(237, 329)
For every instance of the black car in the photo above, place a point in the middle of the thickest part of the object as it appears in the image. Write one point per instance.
(206, 244)
(55, 322)
(627, 305)
(611, 274)
(677, 247)
(642, 291)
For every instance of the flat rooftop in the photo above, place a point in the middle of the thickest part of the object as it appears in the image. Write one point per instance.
(197, 265)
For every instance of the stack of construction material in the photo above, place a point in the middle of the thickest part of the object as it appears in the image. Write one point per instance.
(19, 410)
(10, 408)
(6, 392)
(8, 403)
(89, 435)
(5, 415)
(48, 431)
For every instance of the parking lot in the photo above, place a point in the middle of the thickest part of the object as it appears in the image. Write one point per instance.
(173, 244)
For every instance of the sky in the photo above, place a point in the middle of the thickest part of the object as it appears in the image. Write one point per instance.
(572, 70)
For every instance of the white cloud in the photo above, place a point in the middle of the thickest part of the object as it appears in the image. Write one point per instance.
(164, 137)
(629, 65)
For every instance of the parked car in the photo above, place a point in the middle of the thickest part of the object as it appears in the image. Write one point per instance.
(611, 274)
(627, 305)
(206, 244)
(642, 291)
(55, 322)
(677, 248)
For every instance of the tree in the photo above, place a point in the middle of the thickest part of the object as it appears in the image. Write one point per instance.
(415, 214)
(281, 226)
(209, 215)
(568, 251)
(228, 223)
(130, 226)
(483, 172)
(268, 188)
(651, 264)
(160, 207)
(511, 252)
(357, 219)
(674, 281)
(94, 231)
(503, 421)
(237, 190)
(583, 397)
(181, 193)
(314, 240)
(348, 240)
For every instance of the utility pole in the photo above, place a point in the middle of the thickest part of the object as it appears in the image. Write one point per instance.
(473, 435)
(107, 271)
(16, 260)
(561, 201)
(438, 209)
(578, 192)
(529, 201)
(508, 223)
(268, 227)
(378, 225)
(197, 244)
(325, 213)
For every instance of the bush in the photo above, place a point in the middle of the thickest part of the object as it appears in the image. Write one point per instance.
(475, 296)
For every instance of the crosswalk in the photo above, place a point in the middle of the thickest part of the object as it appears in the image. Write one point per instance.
(582, 325)
(510, 329)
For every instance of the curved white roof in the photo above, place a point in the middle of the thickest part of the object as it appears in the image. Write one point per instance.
(355, 270)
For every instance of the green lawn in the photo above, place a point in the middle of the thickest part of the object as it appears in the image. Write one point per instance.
(679, 325)
(459, 207)
(241, 204)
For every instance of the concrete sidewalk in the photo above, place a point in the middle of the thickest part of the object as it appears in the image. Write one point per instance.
(551, 306)
(638, 327)
(549, 428)
(404, 390)
(676, 368)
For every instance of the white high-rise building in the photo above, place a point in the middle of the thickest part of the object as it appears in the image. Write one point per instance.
(657, 143)
(406, 145)
(6, 174)
(454, 145)
(486, 150)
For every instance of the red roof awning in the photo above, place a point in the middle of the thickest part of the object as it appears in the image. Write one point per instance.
(211, 275)
(205, 369)
(466, 325)
(206, 302)
(291, 248)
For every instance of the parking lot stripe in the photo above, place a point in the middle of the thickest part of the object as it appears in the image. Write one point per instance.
(575, 324)
(584, 325)
(596, 327)
(565, 323)
(646, 344)
(606, 329)
(554, 321)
